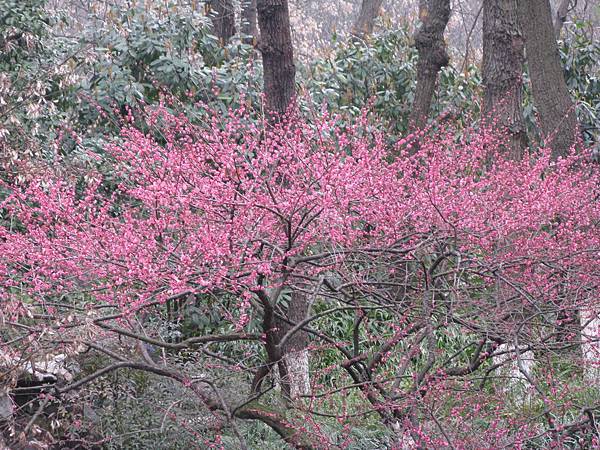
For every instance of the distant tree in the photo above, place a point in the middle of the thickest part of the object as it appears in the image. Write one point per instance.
(429, 40)
(561, 16)
(503, 70)
(365, 22)
(249, 24)
(275, 45)
(551, 96)
(223, 18)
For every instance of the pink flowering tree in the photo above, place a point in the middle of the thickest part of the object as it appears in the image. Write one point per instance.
(421, 278)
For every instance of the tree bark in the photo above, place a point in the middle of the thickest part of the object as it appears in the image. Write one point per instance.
(249, 24)
(558, 119)
(223, 18)
(550, 94)
(429, 40)
(590, 336)
(516, 385)
(275, 45)
(561, 16)
(295, 353)
(502, 72)
(365, 22)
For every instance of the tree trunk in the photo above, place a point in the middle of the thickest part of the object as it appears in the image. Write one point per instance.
(561, 17)
(223, 18)
(502, 72)
(249, 24)
(514, 383)
(295, 353)
(275, 45)
(550, 94)
(557, 116)
(365, 22)
(590, 336)
(429, 40)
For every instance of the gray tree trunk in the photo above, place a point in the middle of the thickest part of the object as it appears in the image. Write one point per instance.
(365, 22)
(222, 15)
(590, 335)
(558, 123)
(561, 16)
(275, 45)
(295, 353)
(502, 72)
(429, 40)
(249, 23)
(550, 94)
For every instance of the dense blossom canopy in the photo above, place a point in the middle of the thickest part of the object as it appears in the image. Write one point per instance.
(441, 229)
(199, 208)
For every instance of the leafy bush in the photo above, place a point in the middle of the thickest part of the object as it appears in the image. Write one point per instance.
(32, 74)
(382, 71)
(580, 55)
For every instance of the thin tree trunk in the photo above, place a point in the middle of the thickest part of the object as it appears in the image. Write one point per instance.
(561, 17)
(223, 18)
(502, 72)
(550, 93)
(365, 22)
(275, 45)
(249, 24)
(429, 40)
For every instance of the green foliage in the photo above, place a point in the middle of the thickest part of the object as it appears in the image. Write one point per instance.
(140, 51)
(458, 97)
(382, 71)
(143, 53)
(50, 84)
(580, 55)
(136, 412)
(30, 76)
(23, 25)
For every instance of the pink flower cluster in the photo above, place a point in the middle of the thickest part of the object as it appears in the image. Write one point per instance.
(218, 205)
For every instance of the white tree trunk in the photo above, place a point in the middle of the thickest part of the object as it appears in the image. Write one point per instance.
(590, 345)
(516, 385)
(298, 371)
